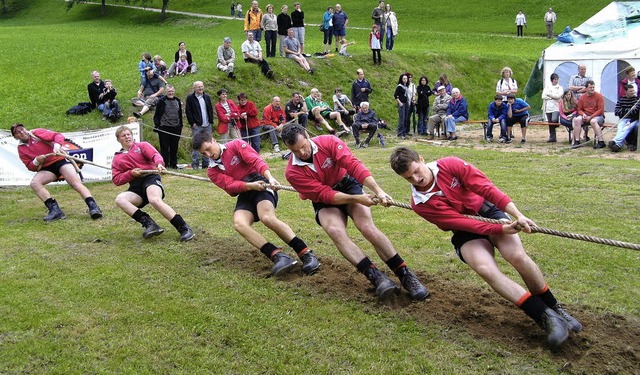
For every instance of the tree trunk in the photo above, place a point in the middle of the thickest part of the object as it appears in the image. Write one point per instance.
(163, 13)
(4, 6)
(103, 8)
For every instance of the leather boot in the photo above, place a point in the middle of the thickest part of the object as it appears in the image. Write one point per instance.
(55, 213)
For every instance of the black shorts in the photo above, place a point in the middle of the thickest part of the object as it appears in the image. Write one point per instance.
(139, 186)
(248, 201)
(459, 238)
(55, 167)
(347, 185)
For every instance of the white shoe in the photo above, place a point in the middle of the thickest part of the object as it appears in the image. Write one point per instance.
(276, 148)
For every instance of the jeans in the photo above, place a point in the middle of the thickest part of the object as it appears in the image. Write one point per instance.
(257, 34)
(423, 117)
(403, 111)
(254, 141)
(390, 38)
(450, 123)
(503, 129)
(195, 154)
(625, 126)
(270, 37)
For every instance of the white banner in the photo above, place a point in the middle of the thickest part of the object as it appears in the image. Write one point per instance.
(103, 142)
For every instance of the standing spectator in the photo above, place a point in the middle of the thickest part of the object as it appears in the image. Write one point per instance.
(324, 170)
(228, 114)
(517, 112)
(253, 21)
(391, 26)
(148, 94)
(340, 21)
(239, 10)
(248, 121)
(143, 188)
(549, 20)
(590, 112)
(440, 106)
(273, 117)
(199, 112)
(423, 91)
(327, 27)
(284, 24)
(296, 110)
(145, 64)
(497, 115)
(168, 123)
(378, 18)
(630, 79)
(551, 96)
(226, 58)
(457, 112)
(32, 150)
(402, 101)
(506, 85)
(182, 50)
(521, 22)
(270, 25)
(627, 110)
(413, 99)
(444, 82)
(293, 49)
(374, 44)
(360, 89)
(367, 120)
(252, 52)
(233, 9)
(297, 22)
(578, 81)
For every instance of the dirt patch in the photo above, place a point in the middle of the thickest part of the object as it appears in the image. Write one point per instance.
(607, 345)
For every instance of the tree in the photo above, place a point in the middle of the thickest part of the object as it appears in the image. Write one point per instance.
(165, 5)
(4, 6)
(71, 3)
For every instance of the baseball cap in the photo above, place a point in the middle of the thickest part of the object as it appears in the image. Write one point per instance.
(441, 87)
(226, 39)
(14, 127)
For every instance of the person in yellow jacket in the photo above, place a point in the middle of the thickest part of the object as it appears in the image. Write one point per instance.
(252, 21)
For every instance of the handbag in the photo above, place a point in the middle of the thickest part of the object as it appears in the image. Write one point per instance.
(322, 29)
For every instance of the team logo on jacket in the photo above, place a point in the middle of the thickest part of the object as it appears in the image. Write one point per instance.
(235, 160)
(455, 183)
(328, 163)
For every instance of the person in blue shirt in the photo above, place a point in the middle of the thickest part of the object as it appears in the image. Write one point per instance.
(497, 115)
(517, 112)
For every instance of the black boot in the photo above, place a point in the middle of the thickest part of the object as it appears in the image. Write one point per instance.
(410, 282)
(310, 263)
(384, 286)
(552, 134)
(55, 213)
(555, 326)
(151, 228)
(283, 263)
(94, 210)
(186, 234)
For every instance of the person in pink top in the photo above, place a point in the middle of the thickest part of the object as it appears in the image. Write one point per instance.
(323, 170)
(33, 149)
(443, 192)
(144, 189)
(239, 170)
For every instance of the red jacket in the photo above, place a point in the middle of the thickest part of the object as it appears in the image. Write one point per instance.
(622, 91)
(464, 189)
(141, 155)
(332, 160)
(252, 115)
(272, 116)
(225, 118)
(41, 146)
(237, 161)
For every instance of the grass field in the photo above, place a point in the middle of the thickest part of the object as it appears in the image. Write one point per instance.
(78, 296)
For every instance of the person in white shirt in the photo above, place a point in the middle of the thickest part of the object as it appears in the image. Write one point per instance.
(521, 22)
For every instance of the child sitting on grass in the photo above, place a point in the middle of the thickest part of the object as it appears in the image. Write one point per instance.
(182, 65)
(343, 47)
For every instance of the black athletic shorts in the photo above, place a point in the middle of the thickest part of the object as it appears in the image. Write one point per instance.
(55, 167)
(139, 186)
(459, 238)
(249, 200)
(347, 185)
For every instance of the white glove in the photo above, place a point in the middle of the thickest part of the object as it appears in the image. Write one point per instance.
(36, 162)
(56, 147)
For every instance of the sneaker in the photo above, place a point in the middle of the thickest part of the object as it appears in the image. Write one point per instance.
(523, 141)
(341, 133)
(555, 326)
(508, 140)
(137, 114)
(633, 148)
(572, 323)
(310, 263)
(586, 139)
(286, 155)
(276, 148)
(614, 147)
(489, 139)
(576, 144)
(502, 140)
(600, 144)
(452, 138)
(186, 234)
(364, 145)
(384, 286)
(410, 282)
(319, 128)
(270, 74)
(283, 263)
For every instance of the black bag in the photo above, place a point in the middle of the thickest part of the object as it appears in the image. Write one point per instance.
(322, 27)
(81, 109)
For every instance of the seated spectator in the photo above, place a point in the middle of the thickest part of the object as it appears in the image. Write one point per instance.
(456, 112)
(293, 51)
(506, 85)
(182, 66)
(568, 109)
(274, 116)
(367, 120)
(630, 79)
(440, 106)
(321, 111)
(341, 102)
(228, 114)
(590, 112)
(148, 93)
(551, 95)
(102, 95)
(497, 115)
(343, 47)
(252, 53)
(182, 50)
(226, 58)
(627, 111)
(159, 65)
(297, 111)
(517, 112)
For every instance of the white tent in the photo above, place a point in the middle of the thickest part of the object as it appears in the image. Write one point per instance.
(606, 43)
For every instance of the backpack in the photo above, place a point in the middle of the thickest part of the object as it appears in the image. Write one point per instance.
(81, 109)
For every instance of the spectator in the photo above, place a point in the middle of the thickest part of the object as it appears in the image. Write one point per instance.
(233, 9)
(577, 82)
(627, 110)
(199, 112)
(335, 190)
(340, 21)
(143, 188)
(182, 66)
(360, 89)
(568, 109)
(168, 123)
(284, 24)
(590, 112)
(227, 57)
(457, 112)
(367, 120)
(412, 95)
(630, 79)
(506, 85)
(401, 96)
(160, 66)
(248, 121)
(253, 21)
(321, 111)
(270, 25)
(239, 171)
(35, 149)
(252, 52)
(239, 10)
(521, 22)
(443, 81)
(343, 47)
(551, 96)
(378, 18)
(440, 106)
(148, 93)
(102, 95)
(297, 111)
(273, 117)
(423, 91)
(549, 20)
(145, 64)
(228, 114)
(391, 26)
(327, 29)
(517, 112)
(182, 50)
(374, 44)
(292, 48)
(448, 189)
(497, 115)
(341, 104)
(297, 23)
